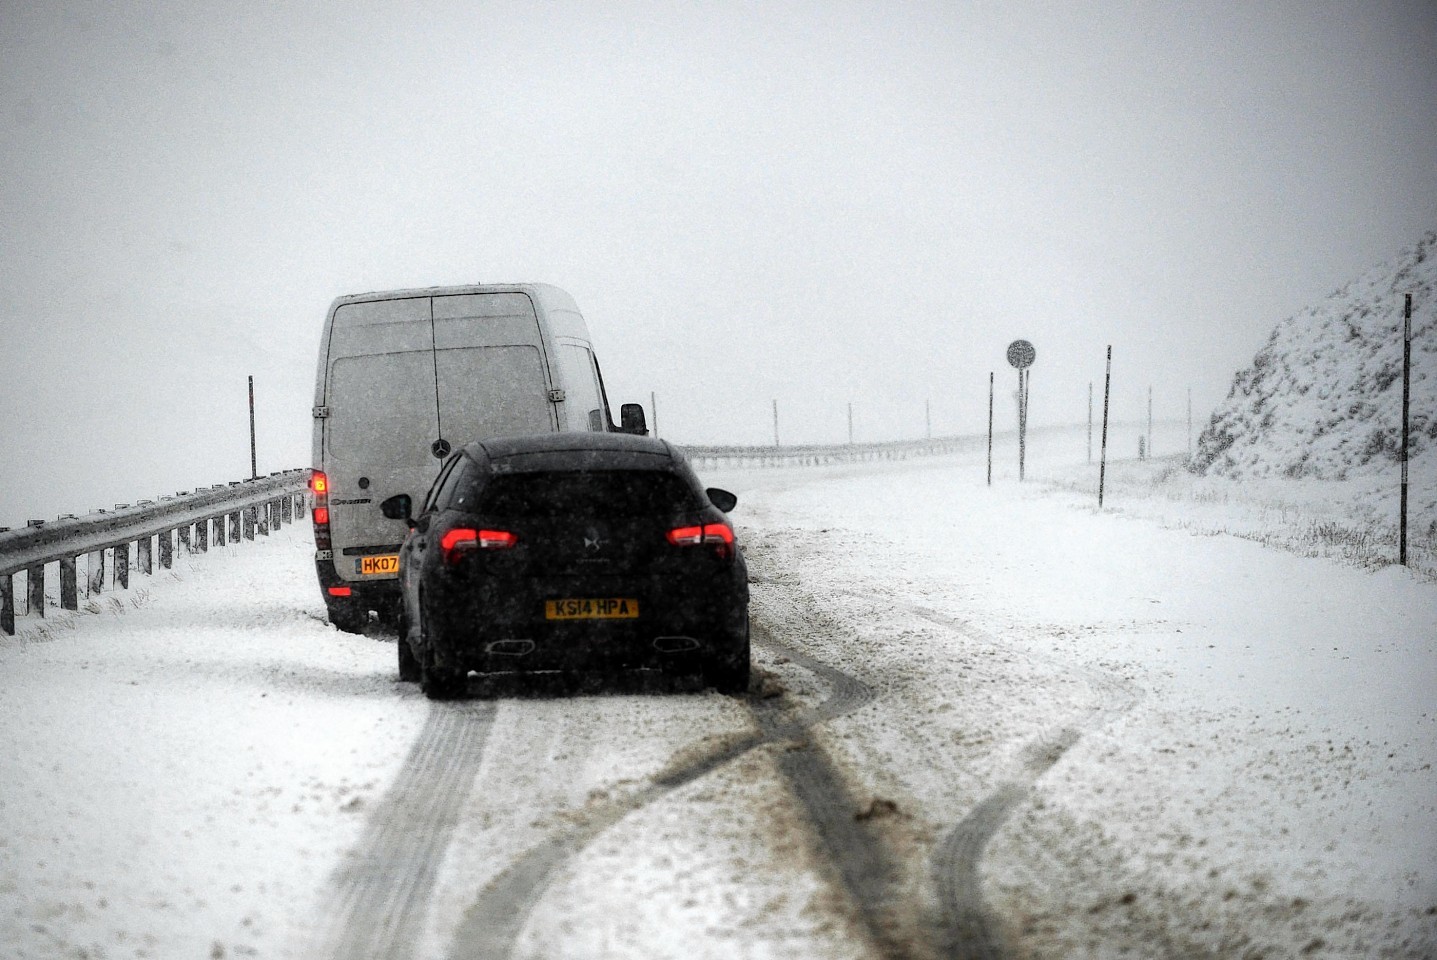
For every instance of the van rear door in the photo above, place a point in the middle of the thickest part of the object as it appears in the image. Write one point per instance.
(491, 369)
(382, 421)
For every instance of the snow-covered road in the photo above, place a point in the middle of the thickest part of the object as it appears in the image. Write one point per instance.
(987, 722)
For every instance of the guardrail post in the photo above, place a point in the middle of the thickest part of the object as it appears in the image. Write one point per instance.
(35, 588)
(202, 536)
(219, 523)
(183, 534)
(275, 520)
(286, 504)
(122, 566)
(7, 604)
(167, 549)
(69, 585)
(144, 556)
(96, 579)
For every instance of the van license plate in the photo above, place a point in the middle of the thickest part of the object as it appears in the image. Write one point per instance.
(379, 564)
(608, 608)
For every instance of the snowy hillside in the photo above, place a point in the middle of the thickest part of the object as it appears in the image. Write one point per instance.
(1323, 398)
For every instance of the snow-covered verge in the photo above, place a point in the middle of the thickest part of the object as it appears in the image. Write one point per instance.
(1353, 519)
(1323, 397)
(185, 762)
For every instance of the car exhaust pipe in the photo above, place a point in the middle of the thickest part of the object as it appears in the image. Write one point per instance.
(675, 644)
(510, 648)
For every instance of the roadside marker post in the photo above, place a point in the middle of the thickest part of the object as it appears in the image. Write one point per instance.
(1150, 423)
(990, 428)
(1190, 424)
(253, 472)
(1103, 457)
(1406, 398)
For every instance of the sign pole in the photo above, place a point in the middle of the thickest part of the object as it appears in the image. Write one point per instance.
(1406, 397)
(654, 406)
(1021, 356)
(1090, 421)
(1022, 435)
(775, 423)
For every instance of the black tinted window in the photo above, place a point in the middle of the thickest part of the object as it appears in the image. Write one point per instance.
(593, 494)
(460, 478)
(445, 472)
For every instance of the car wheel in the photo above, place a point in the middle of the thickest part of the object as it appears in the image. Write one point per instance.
(728, 672)
(408, 664)
(438, 683)
(347, 617)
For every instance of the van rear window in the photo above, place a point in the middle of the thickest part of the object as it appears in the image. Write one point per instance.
(596, 495)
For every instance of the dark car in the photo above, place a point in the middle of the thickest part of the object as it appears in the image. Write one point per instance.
(575, 552)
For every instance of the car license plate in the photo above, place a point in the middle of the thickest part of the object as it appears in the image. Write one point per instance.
(379, 564)
(608, 608)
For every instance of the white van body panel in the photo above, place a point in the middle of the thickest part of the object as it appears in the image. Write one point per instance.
(406, 376)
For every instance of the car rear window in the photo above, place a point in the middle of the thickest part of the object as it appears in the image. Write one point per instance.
(597, 494)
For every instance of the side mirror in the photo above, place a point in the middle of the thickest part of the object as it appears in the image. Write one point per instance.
(722, 499)
(631, 420)
(399, 507)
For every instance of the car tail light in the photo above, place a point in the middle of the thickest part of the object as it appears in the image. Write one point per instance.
(717, 535)
(462, 540)
(339, 591)
(319, 512)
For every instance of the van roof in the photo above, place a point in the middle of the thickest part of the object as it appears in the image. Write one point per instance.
(545, 293)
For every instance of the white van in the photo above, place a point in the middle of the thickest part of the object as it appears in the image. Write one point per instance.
(407, 376)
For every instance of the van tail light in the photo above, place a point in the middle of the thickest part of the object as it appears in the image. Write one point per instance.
(340, 591)
(717, 535)
(319, 508)
(464, 540)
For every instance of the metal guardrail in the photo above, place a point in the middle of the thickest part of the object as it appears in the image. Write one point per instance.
(804, 455)
(246, 507)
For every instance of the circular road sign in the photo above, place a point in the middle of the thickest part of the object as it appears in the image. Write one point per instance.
(1021, 354)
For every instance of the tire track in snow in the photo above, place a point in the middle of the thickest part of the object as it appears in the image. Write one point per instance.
(868, 870)
(380, 896)
(966, 929)
(492, 925)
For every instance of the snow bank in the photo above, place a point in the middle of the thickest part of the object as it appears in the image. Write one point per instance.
(1323, 397)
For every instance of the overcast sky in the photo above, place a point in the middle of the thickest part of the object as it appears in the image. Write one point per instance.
(816, 203)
